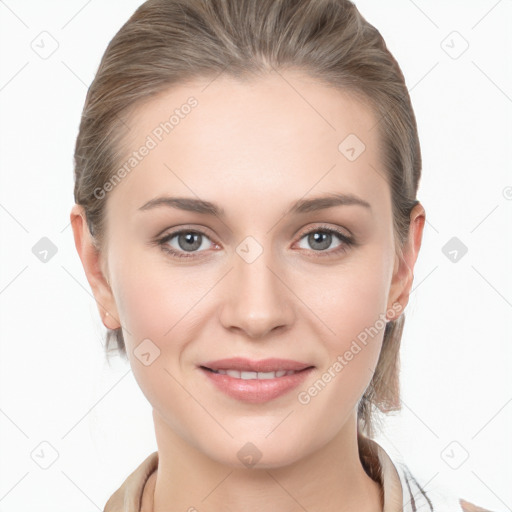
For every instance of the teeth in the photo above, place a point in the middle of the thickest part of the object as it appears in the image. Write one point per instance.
(246, 375)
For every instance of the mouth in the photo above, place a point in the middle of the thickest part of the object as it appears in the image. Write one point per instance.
(255, 382)
(248, 375)
(243, 368)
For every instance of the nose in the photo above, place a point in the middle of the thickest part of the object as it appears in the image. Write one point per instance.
(257, 299)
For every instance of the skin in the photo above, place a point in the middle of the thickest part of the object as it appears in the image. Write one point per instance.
(253, 148)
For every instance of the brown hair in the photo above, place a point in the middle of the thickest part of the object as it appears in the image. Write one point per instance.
(167, 42)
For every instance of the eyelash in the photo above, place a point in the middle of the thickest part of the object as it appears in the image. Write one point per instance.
(346, 242)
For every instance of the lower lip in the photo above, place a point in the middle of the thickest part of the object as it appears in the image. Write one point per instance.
(256, 391)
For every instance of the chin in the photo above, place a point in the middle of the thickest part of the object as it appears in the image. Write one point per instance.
(252, 454)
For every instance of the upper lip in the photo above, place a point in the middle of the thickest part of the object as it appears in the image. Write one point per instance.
(264, 365)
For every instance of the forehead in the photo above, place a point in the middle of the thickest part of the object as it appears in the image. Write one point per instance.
(220, 137)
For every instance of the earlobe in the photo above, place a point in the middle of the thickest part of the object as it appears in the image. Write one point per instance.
(91, 260)
(109, 322)
(403, 272)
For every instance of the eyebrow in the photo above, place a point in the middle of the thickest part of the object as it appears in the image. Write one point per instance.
(300, 206)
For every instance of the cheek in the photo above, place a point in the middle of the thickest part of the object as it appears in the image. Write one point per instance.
(153, 311)
(351, 299)
(160, 309)
(353, 307)
(355, 312)
(144, 310)
(155, 301)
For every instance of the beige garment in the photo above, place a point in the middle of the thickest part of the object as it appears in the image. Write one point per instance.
(136, 492)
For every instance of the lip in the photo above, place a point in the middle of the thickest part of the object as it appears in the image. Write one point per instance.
(256, 391)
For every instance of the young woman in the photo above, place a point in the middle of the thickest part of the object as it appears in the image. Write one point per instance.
(246, 215)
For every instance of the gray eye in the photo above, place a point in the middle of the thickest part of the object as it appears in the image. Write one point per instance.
(318, 240)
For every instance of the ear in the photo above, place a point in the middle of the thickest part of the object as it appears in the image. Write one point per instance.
(92, 261)
(403, 272)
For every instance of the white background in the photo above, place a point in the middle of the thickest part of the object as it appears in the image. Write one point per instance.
(56, 386)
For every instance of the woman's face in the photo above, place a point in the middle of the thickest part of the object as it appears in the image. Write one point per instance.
(265, 276)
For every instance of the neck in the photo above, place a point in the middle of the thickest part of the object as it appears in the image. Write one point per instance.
(331, 479)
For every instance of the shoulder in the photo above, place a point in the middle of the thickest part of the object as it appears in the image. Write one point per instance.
(129, 496)
(470, 507)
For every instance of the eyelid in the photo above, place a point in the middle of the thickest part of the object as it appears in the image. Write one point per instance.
(325, 227)
(184, 227)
